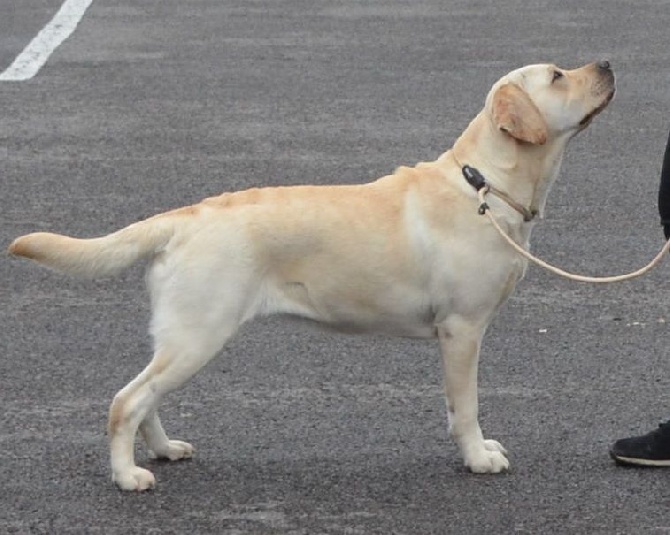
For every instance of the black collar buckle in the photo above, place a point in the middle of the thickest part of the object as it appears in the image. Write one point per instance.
(477, 181)
(474, 177)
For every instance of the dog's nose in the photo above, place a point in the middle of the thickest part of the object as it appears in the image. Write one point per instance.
(604, 65)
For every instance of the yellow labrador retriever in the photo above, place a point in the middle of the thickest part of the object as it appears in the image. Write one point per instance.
(407, 255)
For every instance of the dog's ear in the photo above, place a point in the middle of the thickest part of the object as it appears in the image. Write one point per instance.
(514, 113)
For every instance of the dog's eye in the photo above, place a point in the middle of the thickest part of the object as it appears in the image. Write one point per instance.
(556, 76)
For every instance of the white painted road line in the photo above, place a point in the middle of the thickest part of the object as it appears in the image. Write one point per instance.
(35, 55)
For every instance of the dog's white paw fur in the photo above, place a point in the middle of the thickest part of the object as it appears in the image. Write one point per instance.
(175, 450)
(494, 445)
(135, 478)
(490, 460)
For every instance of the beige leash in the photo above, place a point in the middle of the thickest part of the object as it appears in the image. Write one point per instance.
(477, 180)
(558, 271)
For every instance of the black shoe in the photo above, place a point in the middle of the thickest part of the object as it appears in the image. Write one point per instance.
(652, 449)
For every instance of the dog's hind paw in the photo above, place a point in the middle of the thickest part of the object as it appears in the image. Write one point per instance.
(136, 478)
(175, 450)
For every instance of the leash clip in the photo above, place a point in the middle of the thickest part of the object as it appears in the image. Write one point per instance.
(477, 181)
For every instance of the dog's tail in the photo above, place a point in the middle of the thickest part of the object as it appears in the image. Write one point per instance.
(96, 257)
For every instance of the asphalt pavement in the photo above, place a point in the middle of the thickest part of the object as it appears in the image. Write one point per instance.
(156, 104)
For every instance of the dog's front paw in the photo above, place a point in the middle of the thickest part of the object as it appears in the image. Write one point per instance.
(494, 445)
(491, 460)
(174, 450)
(135, 478)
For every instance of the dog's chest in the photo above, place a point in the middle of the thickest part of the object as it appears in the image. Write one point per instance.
(474, 280)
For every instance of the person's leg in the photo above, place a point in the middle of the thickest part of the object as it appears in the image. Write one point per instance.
(664, 192)
(652, 449)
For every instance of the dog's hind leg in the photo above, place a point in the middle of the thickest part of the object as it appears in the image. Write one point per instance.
(160, 446)
(460, 342)
(178, 357)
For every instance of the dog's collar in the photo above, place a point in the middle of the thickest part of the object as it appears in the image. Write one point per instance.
(477, 181)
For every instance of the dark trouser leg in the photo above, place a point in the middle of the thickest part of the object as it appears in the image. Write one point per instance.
(664, 192)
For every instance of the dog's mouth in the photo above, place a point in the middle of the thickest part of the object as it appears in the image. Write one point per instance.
(589, 116)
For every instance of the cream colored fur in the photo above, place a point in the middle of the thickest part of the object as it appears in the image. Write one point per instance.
(407, 254)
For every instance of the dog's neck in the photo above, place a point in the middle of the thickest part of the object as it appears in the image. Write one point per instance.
(495, 154)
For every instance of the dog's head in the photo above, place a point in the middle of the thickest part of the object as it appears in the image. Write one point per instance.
(538, 103)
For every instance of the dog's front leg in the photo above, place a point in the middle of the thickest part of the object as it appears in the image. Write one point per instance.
(460, 342)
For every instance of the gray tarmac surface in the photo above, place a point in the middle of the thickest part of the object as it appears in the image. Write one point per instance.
(156, 104)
